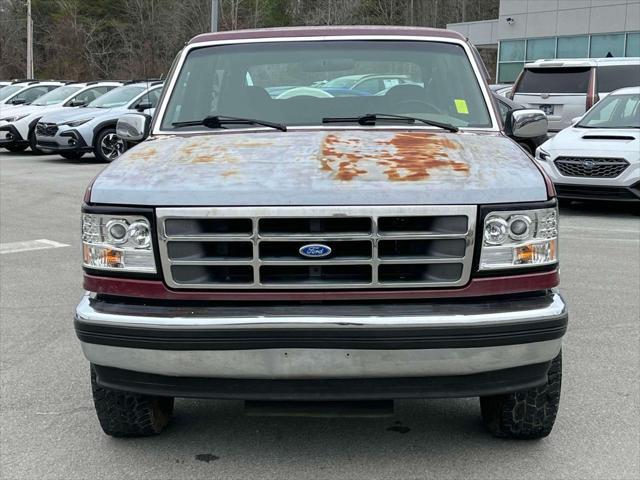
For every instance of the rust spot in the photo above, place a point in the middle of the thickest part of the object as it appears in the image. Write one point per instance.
(341, 151)
(253, 144)
(416, 153)
(325, 165)
(143, 154)
(229, 173)
(202, 159)
(406, 156)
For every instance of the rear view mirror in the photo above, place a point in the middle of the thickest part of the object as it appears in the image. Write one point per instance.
(77, 103)
(18, 101)
(526, 123)
(575, 120)
(133, 127)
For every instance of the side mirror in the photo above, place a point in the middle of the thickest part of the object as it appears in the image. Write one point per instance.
(77, 103)
(18, 101)
(526, 123)
(575, 120)
(141, 107)
(133, 127)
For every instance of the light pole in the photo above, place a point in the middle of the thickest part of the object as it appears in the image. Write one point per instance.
(214, 15)
(29, 41)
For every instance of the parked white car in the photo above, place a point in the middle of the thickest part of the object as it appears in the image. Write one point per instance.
(23, 93)
(93, 129)
(19, 125)
(564, 89)
(598, 157)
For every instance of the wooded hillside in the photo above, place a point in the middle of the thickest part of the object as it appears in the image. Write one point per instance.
(119, 39)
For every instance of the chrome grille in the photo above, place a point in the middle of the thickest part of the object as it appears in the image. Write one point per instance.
(46, 129)
(591, 167)
(371, 247)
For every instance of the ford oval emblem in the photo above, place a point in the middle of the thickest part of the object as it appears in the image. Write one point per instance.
(315, 250)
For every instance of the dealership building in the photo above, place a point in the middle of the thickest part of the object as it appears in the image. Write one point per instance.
(528, 30)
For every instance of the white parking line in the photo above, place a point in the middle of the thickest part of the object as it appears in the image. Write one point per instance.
(41, 244)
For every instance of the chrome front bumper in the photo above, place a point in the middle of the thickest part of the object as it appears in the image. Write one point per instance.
(335, 341)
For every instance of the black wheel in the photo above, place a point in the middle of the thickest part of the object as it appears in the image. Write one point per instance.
(528, 414)
(127, 414)
(16, 148)
(33, 143)
(72, 155)
(108, 146)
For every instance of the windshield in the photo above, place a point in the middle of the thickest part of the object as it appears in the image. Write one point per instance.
(613, 77)
(290, 83)
(614, 111)
(554, 80)
(56, 96)
(9, 90)
(118, 97)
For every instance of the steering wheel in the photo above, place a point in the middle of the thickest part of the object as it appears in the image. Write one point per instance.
(421, 103)
(304, 92)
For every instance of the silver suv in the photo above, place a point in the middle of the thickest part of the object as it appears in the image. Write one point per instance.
(93, 128)
(565, 89)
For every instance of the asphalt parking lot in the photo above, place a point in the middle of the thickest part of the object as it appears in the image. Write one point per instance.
(48, 428)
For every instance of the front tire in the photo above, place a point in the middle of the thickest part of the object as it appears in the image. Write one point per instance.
(33, 143)
(128, 414)
(16, 148)
(528, 414)
(107, 146)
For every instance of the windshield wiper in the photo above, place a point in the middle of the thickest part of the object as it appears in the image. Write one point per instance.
(372, 118)
(218, 121)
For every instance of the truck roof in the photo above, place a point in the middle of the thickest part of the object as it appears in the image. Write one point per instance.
(333, 31)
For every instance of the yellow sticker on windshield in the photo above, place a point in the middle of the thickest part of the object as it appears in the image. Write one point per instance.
(461, 106)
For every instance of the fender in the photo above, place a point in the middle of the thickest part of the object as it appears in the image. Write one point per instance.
(101, 126)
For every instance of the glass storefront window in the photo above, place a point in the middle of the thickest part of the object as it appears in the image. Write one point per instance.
(508, 72)
(603, 45)
(633, 45)
(512, 50)
(541, 48)
(573, 47)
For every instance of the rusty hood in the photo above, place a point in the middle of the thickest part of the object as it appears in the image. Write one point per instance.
(341, 167)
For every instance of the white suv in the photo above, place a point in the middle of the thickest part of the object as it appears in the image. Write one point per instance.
(564, 89)
(20, 123)
(599, 156)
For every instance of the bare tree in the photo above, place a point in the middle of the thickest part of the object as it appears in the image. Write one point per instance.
(89, 39)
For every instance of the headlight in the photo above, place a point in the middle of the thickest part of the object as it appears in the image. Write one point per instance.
(513, 239)
(14, 118)
(542, 154)
(77, 123)
(117, 242)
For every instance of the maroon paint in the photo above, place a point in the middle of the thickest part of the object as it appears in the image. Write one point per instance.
(326, 31)
(478, 287)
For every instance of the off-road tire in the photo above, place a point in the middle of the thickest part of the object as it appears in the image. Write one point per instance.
(33, 143)
(128, 414)
(97, 145)
(72, 155)
(528, 414)
(16, 148)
